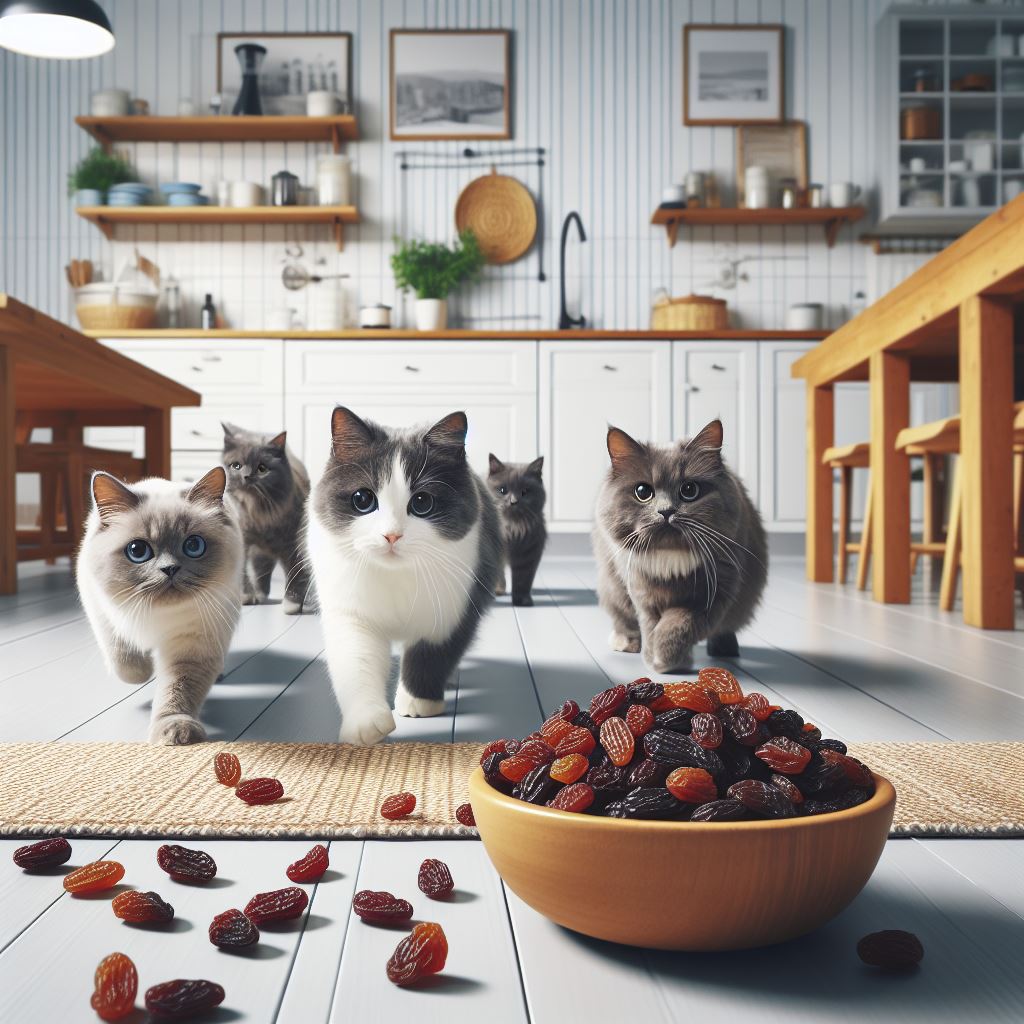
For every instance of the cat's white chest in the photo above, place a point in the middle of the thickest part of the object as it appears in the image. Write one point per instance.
(661, 565)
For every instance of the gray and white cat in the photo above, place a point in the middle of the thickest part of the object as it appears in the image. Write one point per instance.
(159, 576)
(519, 491)
(405, 547)
(682, 554)
(268, 486)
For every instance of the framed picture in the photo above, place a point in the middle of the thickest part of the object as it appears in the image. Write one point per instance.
(449, 84)
(781, 148)
(296, 63)
(732, 74)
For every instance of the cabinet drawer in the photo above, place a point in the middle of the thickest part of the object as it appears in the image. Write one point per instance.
(490, 366)
(122, 439)
(711, 369)
(188, 467)
(614, 369)
(199, 429)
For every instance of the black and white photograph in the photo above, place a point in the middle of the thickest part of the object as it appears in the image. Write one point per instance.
(450, 84)
(732, 74)
(294, 65)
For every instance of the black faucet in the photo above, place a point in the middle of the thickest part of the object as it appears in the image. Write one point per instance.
(565, 321)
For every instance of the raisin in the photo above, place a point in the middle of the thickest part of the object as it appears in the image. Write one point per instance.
(837, 745)
(856, 771)
(116, 984)
(537, 786)
(643, 691)
(784, 755)
(554, 729)
(676, 720)
(464, 815)
(184, 865)
(617, 741)
(851, 798)
(691, 785)
(421, 953)
(494, 747)
(646, 773)
(435, 880)
(516, 768)
(584, 721)
(577, 797)
(741, 725)
(891, 950)
(233, 930)
(819, 777)
(175, 1000)
(260, 791)
(706, 731)
(491, 769)
(279, 905)
(757, 704)
(607, 780)
(761, 799)
(604, 704)
(566, 713)
(785, 723)
(659, 704)
(310, 868)
(579, 741)
(680, 752)
(227, 768)
(639, 719)
(141, 907)
(788, 788)
(692, 696)
(570, 768)
(722, 682)
(380, 907)
(94, 877)
(47, 853)
(537, 751)
(398, 806)
(654, 802)
(720, 810)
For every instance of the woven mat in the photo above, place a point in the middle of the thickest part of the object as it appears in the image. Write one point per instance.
(332, 791)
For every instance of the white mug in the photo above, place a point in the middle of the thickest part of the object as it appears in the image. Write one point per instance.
(917, 165)
(321, 103)
(246, 193)
(842, 193)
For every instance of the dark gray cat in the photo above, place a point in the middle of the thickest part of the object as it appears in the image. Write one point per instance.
(519, 491)
(268, 487)
(682, 554)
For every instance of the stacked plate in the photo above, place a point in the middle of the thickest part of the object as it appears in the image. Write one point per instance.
(130, 193)
(183, 193)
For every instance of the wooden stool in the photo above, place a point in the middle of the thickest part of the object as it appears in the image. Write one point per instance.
(846, 459)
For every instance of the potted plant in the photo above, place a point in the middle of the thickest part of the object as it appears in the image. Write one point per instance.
(95, 173)
(433, 270)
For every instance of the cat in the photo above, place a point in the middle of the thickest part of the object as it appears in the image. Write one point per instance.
(681, 550)
(159, 576)
(519, 492)
(406, 547)
(268, 486)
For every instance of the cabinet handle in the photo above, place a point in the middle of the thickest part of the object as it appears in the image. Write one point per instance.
(693, 387)
(195, 433)
(413, 369)
(608, 366)
(715, 366)
(196, 369)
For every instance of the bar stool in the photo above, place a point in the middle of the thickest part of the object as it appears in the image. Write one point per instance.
(847, 458)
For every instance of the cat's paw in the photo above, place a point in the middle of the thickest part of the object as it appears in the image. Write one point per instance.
(666, 664)
(625, 642)
(500, 590)
(251, 597)
(134, 668)
(522, 600)
(409, 706)
(367, 725)
(291, 605)
(176, 731)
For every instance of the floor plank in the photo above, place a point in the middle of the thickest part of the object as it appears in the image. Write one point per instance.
(994, 865)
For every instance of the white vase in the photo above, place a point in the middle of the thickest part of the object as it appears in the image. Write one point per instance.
(431, 314)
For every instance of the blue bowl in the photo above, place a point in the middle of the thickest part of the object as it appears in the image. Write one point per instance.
(131, 201)
(184, 199)
(179, 187)
(128, 187)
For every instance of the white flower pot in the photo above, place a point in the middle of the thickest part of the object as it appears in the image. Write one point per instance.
(431, 314)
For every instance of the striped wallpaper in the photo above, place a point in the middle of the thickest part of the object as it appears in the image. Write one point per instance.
(596, 83)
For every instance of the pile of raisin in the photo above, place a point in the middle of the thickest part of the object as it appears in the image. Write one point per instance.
(688, 751)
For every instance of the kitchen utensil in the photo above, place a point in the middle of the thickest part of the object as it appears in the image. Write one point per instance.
(333, 180)
(815, 196)
(843, 193)
(375, 316)
(920, 121)
(501, 213)
(788, 197)
(756, 188)
(924, 80)
(970, 192)
(110, 103)
(917, 165)
(688, 313)
(980, 150)
(284, 189)
(695, 189)
(250, 57)
(805, 316)
(109, 305)
(321, 103)
(673, 195)
(246, 193)
(295, 277)
(184, 187)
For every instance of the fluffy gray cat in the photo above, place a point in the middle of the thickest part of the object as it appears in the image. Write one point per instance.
(159, 575)
(405, 547)
(681, 551)
(269, 487)
(519, 492)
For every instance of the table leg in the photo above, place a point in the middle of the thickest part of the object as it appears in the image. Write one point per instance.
(890, 473)
(820, 431)
(986, 454)
(158, 443)
(8, 484)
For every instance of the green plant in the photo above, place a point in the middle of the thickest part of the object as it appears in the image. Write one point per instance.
(433, 270)
(99, 170)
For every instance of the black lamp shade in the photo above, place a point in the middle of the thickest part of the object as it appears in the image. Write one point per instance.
(65, 29)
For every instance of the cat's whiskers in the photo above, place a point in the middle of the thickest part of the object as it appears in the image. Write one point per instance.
(730, 540)
(715, 540)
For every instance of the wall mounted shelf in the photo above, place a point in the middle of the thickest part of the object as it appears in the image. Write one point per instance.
(830, 218)
(269, 128)
(107, 217)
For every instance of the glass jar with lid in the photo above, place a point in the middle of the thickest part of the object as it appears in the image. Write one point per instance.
(334, 180)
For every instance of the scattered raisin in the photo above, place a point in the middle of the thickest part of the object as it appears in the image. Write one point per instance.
(260, 791)
(891, 950)
(47, 853)
(311, 867)
(94, 877)
(279, 905)
(422, 952)
(233, 930)
(464, 815)
(142, 907)
(116, 984)
(435, 880)
(380, 907)
(227, 768)
(398, 806)
(185, 865)
(175, 1000)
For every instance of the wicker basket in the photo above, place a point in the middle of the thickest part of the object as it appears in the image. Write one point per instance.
(116, 318)
(115, 306)
(689, 313)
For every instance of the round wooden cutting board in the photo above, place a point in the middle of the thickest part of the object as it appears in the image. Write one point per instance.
(501, 213)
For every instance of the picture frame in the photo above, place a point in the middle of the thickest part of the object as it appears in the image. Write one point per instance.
(314, 61)
(450, 84)
(782, 148)
(733, 74)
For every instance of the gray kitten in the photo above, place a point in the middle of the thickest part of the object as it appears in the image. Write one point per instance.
(405, 548)
(682, 554)
(269, 487)
(519, 491)
(159, 575)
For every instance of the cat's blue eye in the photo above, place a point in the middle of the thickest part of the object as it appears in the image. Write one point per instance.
(643, 492)
(364, 501)
(503, 489)
(236, 465)
(138, 551)
(194, 546)
(690, 491)
(421, 504)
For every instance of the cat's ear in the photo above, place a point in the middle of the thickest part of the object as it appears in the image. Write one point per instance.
(279, 441)
(536, 466)
(347, 431)
(449, 432)
(111, 496)
(622, 449)
(210, 489)
(708, 439)
(230, 430)
(494, 463)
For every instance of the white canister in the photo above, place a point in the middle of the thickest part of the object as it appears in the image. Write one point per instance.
(223, 193)
(375, 316)
(321, 103)
(756, 188)
(334, 180)
(246, 193)
(805, 316)
(110, 103)
(843, 193)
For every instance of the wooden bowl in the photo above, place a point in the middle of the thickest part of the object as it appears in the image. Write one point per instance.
(683, 885)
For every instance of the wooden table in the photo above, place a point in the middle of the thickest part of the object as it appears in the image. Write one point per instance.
(952, 320)
(53, 376)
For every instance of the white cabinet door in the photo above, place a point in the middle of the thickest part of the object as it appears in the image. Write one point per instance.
(199, 428)
(584, 387)
(718, 380)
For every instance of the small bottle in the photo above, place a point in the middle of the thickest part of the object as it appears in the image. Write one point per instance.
(209, 314)
(172, 301)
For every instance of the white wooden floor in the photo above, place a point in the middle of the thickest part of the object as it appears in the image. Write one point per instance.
(861, 671)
